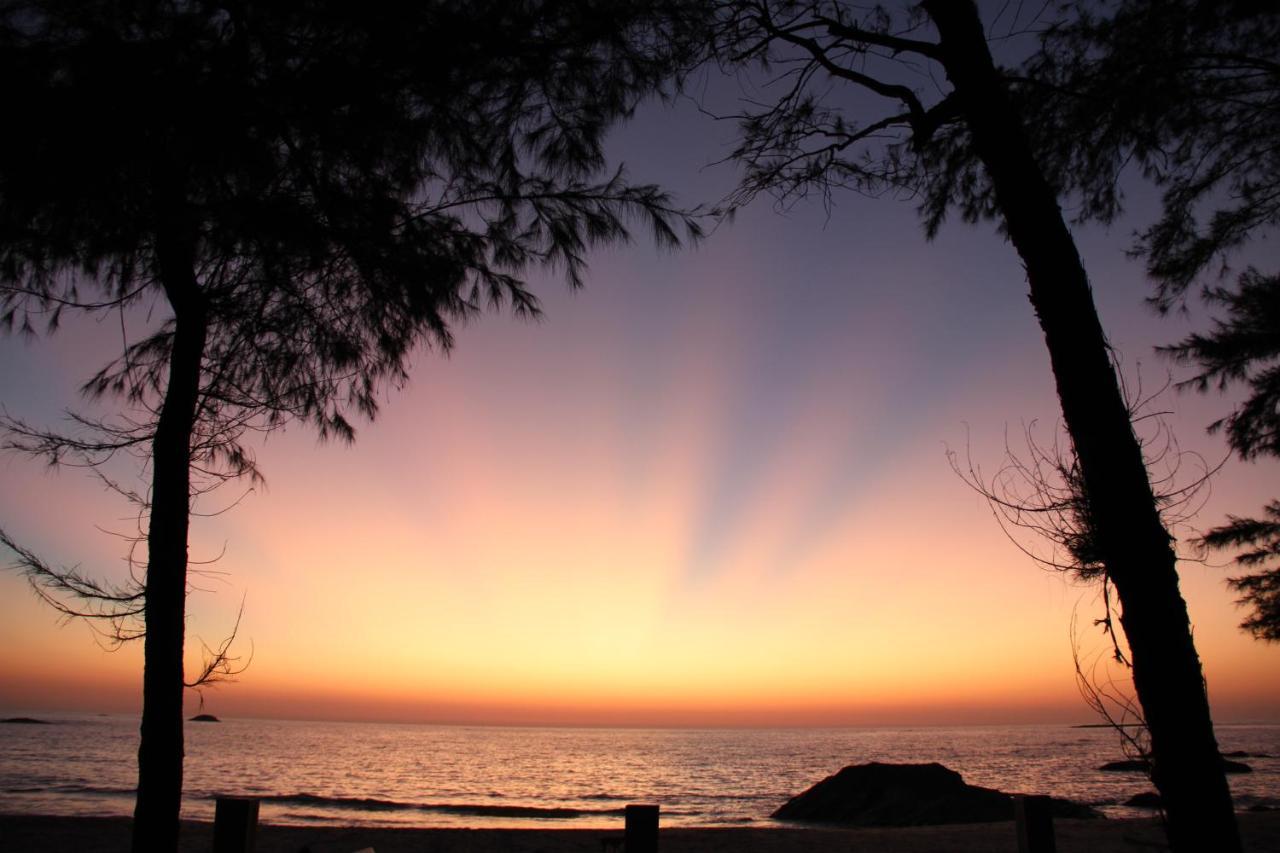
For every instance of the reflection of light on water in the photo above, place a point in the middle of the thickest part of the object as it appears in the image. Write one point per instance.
(403, 775)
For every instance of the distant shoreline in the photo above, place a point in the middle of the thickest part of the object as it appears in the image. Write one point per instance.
(57, 716)
(38, 834)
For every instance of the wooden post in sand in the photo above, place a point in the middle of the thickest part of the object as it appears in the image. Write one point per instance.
(641, 829)
(235, 823)
(1034, 819)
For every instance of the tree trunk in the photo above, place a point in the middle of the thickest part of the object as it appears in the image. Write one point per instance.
(1135, 546)
(159, 798)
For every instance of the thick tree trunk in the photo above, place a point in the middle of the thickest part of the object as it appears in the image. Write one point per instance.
(1136, 548)
(159, 798)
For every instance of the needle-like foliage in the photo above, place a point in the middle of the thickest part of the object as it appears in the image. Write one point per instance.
(1188, 92)
(351, 183)
(1243, 348)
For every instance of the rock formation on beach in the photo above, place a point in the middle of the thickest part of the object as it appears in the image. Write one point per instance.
(906, 795)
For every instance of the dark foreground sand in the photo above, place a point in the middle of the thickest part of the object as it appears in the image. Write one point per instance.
(26, 834)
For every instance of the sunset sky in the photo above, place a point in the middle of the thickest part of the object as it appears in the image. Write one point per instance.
(710, 488)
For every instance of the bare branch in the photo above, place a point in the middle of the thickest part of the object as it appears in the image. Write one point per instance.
(219, 664)
(1039, 489)
(821, 55)
(897, 44)
(1112, 701)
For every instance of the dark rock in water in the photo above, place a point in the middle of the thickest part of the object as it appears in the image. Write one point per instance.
(906, 795)
(205, 718)
(1145, 800)
(1140, 766)
(26, 721)
(1240, 753)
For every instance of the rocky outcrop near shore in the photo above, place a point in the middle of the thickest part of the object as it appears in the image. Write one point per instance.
(906, 795)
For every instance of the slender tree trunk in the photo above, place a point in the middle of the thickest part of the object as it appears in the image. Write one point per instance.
(159, 798)
(1136, 548)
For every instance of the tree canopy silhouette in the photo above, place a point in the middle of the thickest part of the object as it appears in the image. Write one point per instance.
(1190, 91)
(1244, 348)
(1185, 91)
(300, 195)
(912, 103)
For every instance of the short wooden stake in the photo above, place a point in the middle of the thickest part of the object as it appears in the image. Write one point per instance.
(235, 823)
(641, 829)
(1034, 818)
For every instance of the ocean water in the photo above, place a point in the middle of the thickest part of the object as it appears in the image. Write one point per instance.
(454, 776)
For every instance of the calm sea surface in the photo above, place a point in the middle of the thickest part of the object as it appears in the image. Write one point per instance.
(411, 775)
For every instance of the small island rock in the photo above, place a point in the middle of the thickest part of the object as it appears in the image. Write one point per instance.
(205, 718)
(26, 721)
(906, 795)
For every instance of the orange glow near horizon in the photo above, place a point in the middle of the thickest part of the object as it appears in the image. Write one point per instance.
(489, 602)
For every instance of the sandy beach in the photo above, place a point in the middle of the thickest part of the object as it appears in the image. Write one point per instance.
(31, 834)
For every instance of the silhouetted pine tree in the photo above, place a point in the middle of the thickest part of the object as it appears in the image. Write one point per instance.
(953, 133)
(301, 193)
